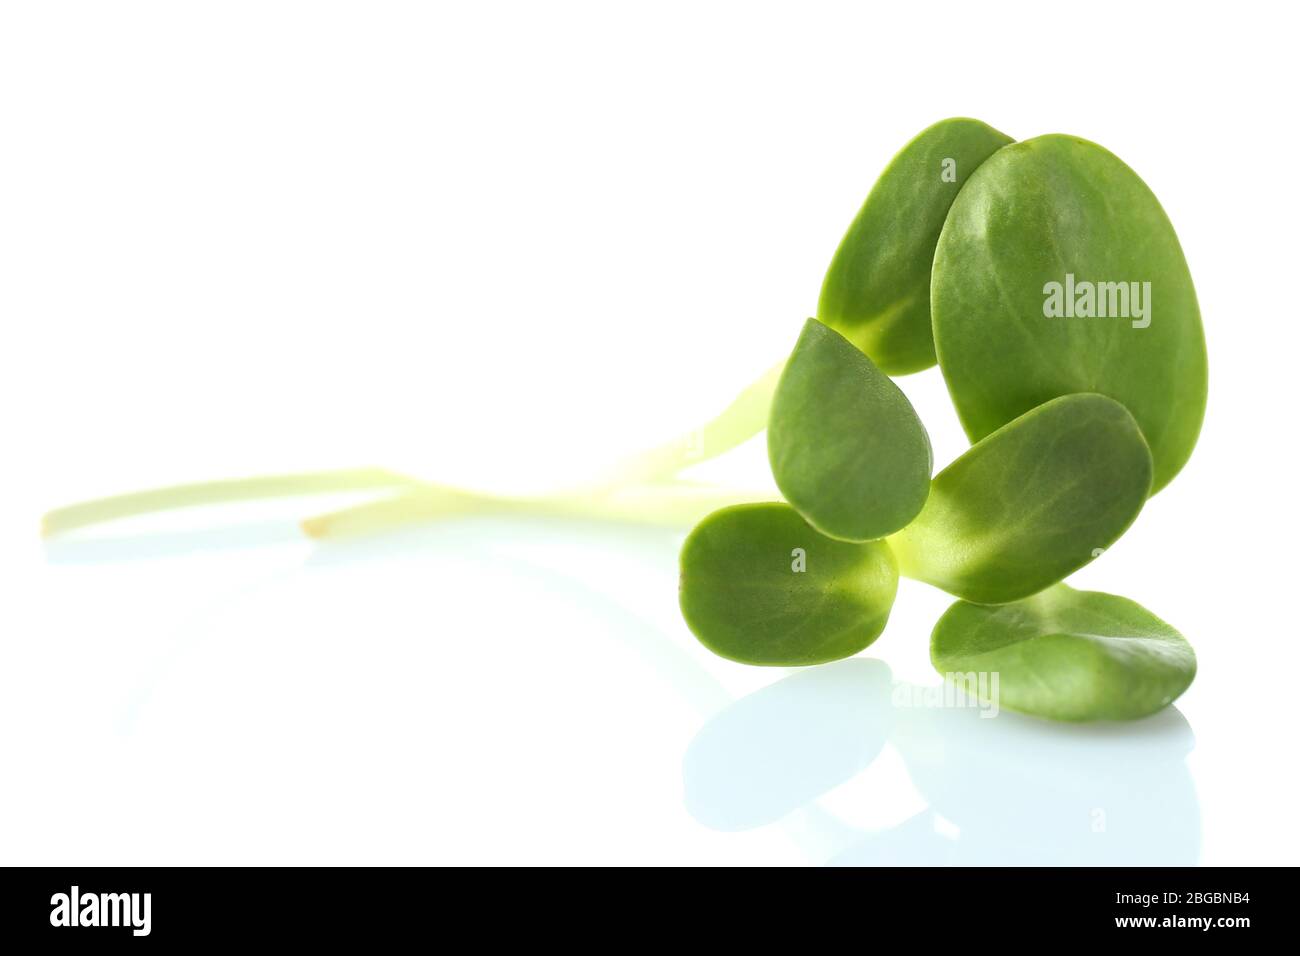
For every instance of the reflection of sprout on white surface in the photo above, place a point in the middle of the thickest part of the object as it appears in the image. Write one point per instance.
(976, 690)
(1002, 792)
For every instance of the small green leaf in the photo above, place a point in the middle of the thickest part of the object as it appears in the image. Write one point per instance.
(1067, 654)
(1031, 503)
(1046, 233)
(761, 587)
(877, 289)
(846, 447)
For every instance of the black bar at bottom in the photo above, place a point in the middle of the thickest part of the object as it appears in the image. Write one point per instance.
(211, 905)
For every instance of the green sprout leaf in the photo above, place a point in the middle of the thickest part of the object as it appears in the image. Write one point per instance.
(846, 447)
(1067, 654)
(1058, 272)
(1031, 503)
(759, 586)
(877, 289)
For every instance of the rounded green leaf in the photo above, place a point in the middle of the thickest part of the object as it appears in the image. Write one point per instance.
(846, 447)
(1031, 503)
(761, 587)
(1047, 235)
(877, 289)
(1067, 655)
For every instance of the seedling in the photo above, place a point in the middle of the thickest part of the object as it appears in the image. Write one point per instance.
(1067, 330)
(1049, 285)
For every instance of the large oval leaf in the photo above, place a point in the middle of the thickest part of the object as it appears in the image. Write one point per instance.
(1067, 655)
(1059, 225)
(1034, 501)
(759, 586)
(846, 446)
(877, 289)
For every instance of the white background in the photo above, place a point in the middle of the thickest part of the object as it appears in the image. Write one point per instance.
(502, 245)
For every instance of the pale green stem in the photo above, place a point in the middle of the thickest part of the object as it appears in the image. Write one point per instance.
(217, 492)
(672, 504)
(905, 554)
(744, 418)
(740, 421)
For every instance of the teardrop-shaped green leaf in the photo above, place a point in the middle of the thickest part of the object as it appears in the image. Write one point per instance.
(1031, 503)
(1067, 655)
(1047, 234)
(759, 586)
(877, 289)
(847, 448)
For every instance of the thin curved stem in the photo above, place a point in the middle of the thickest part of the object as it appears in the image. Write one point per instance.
(218, 492)
(744, 418)
(671, 504)
(740, 421)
